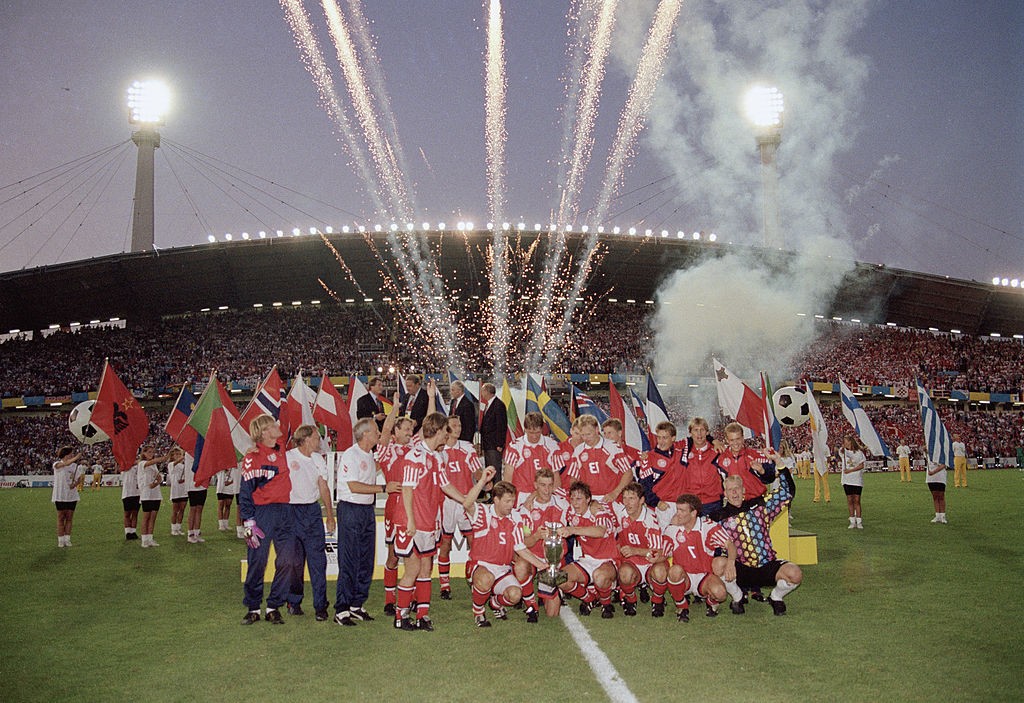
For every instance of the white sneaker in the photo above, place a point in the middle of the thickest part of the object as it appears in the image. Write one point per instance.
(192, 539)
(240, 532)
(199, 539)
(936, 519)
(852, 526)
(860, 525)
(942, 520)
(153, 543)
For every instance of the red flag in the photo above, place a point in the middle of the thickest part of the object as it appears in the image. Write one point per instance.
(297, 410)
(118, 413)
(211, 419)
(329, 409)
(618, 408)
(265, 401)
(177, 422)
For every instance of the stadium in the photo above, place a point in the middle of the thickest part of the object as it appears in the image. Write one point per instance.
(909, 607)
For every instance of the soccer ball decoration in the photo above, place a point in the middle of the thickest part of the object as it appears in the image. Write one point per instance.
(791, 406)
(80, 424)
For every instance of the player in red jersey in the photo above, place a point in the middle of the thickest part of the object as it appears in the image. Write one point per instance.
(696, 544)
(594, 524)
(611, 429)
(639, 539)
(754, 468)
(498, 538)
(598, 462)
(395, 442)
(701, 476)
(424, 485)
(542, 508)
(528, 453)
(463, 466)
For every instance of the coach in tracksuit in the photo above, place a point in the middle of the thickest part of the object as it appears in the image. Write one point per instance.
(308, 473)
(357, 527)
(263, 503)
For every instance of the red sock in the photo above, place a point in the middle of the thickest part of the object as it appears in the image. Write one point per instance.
(678, 591)
(529, 596)
(501, 601)
(479, 601)
(628, 592)
(604, 595)
(404, 601)
(578, 591)
(658, 589)
(444, 570)
(390, 583)
(423, 589)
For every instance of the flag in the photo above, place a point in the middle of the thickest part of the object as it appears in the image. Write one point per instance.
(819, 433)
(856, 416)
(514, 428)
(356, 390)
(403, 392)
(439, 405)
(738, 400)
(298, 410)
(655, 410)
(583, 404)
(624, 414)
(211, 419)
(329, 409)
(641, 420)
(266, 401)
(547, 407)
(118, 413)
(177, 422)
(936, 437)
(772, 428)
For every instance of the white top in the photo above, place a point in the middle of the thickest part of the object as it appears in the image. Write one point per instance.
(938, 477)
(190, 474)
(65, 482)
(304, 472)
(959, 449)
(177, 480)
(130, 482)
(903, 451)
(147, 475)
(356, 465)
(229, 481)
(851, 458)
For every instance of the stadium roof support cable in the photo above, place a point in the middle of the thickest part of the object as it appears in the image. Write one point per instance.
(203, 224)
(68, 165)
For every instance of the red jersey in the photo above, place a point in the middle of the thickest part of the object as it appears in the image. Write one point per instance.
(600, 515)
(423, 471)
(642, 531)
(601, 467)
(495, 539)
(461, 461)
(389, 459)
(524, 459)
(734, 465)
(700, 475)
(542, 514)
(565, 452)
(694, 549)
(265, 479)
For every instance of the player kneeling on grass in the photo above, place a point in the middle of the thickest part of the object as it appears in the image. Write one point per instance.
(594, 524)
(639, 541)
(695, 544)
(748, 524)
(541, 509)
(497, 539)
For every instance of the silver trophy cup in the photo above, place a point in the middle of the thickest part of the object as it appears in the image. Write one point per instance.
(554, 547)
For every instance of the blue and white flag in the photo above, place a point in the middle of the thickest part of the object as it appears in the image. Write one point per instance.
(936, 437)
(856, 416)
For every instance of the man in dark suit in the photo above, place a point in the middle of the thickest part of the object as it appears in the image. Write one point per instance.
(465, 409)
(493, 427)
(369, 405)
(416, 403)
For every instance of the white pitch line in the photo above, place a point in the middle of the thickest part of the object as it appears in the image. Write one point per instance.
(602, 667)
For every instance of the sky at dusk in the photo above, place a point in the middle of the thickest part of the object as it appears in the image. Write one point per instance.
(901, 139)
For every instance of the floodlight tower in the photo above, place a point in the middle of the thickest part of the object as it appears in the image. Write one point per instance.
(764, 109)
(147, 105)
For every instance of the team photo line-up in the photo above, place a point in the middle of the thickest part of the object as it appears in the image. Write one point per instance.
(586, 518)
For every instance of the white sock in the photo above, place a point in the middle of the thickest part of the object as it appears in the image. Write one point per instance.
(860, 521)
(222, 524)
(853, 521)
(129, 530)
(60, 540)
(733, 590)
(782, 587)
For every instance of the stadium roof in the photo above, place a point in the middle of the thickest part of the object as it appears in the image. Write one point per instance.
(239, 274)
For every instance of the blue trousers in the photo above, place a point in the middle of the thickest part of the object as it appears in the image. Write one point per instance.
(276, 522)
(357, 540)
(309, 547)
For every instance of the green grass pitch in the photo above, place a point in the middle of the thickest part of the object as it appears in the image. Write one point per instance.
(904, 610)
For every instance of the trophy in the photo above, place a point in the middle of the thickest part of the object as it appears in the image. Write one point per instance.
(554, 546)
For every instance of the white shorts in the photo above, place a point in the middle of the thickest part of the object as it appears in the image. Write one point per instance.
(695, 581)
(422, 543)
(642, 568)
(503, 575)
(589, 565)
(453, 517)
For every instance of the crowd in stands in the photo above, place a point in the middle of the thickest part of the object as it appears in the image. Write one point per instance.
(362, 338)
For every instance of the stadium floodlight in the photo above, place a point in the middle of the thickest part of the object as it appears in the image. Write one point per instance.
(148, 102)
(995, 280)
(764, 106)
